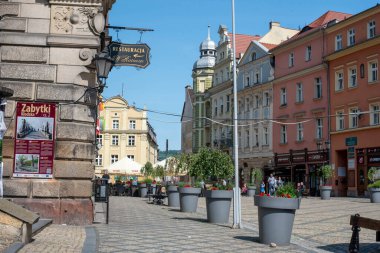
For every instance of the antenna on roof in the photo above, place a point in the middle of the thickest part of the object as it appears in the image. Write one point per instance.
(208, 34)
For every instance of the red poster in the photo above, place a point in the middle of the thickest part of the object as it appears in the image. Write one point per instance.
(34, 140)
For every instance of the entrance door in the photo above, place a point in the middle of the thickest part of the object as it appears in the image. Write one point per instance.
(362, 176)
(314, 180)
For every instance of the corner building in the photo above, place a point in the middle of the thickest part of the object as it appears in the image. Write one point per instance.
(47, 52)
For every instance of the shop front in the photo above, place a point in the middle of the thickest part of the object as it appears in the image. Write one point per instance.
(366, 158)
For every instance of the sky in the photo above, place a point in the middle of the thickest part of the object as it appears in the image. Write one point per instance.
(179, 28)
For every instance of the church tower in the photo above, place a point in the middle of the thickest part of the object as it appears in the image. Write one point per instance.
(202, 80)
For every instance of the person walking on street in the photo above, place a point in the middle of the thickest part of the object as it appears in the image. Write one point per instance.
(271, 183)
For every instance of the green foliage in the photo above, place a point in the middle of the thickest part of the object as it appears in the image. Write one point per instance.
(256, 176)
(375, 184)
(148, 181)
(147, 170)
(197, 184)
(327, 172)
(219, 186)
(183, 163)
(211, 163)
(371, 173)
(159, 171)
(287, 190)
(162, 154)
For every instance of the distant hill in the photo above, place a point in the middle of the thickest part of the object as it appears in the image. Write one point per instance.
(162, 154)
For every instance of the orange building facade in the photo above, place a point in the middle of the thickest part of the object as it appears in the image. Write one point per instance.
(352, 55)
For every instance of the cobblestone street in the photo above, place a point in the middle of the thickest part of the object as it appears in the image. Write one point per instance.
(138, 226)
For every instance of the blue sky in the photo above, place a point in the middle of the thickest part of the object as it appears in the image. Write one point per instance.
(179, 28)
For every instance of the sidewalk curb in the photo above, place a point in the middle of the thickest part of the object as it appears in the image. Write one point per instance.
(90, 243)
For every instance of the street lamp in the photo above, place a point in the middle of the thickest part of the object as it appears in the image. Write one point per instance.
(104, 64)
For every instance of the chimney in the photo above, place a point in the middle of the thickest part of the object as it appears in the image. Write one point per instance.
(273, 23)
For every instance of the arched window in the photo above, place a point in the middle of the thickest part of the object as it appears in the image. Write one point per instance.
(253, 56)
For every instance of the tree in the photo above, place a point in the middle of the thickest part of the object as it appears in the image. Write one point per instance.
(147, 170)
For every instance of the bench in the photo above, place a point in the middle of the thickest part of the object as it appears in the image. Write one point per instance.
(358, 222)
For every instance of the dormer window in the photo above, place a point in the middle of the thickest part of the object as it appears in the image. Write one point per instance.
(253, 56)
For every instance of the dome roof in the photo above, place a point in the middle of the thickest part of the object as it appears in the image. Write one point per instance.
(207, 44)
(204, 62)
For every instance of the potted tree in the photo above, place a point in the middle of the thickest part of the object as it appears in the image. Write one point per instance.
(374, 187)
(176, 165)
(326, 172)
(147, 171)
(256, 178)
(276, 214)
(217, 165)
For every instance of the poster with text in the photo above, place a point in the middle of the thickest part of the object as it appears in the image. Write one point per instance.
(34, 140)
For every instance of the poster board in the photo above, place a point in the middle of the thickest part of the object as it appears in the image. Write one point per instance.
(34, 140)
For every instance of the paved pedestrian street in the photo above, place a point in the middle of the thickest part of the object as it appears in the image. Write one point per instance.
(138, 226)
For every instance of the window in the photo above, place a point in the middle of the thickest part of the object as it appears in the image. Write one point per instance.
(351, 37)
(132, 124)
(99, 139)
(371, 29)
(246, 81)
(299, 131)
(247, 104)
(372, 71)
(215, 107)
(99, 160)
(266, 112)
(266, 101)
(132, 157)
(221, 105)
(338, 42)
(291, 59)
(227, 103)
(319, 129)
(283, 137)
(299, 94)
(115, 140)
(247, 138)
(240, 144)
(256, 130)
(115, 124)
(339, 80)
(317, 87)
(353, 117)
(283, 96)
(352, 77)
(256, 77)
(308, 53)
(253, 56)
(257, 101)
(131, 140)
(265, 136)
(375, 114)
(339, 120)
(114, 158)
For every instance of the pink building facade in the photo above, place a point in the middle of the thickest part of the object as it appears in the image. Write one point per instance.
(353, 54)
(300, 106)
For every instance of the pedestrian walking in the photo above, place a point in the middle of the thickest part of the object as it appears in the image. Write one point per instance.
(271, 183)
(262, 187)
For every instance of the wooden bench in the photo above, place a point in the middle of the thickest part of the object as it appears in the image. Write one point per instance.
(358, 222)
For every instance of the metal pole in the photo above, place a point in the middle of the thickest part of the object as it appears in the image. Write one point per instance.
(237, 207)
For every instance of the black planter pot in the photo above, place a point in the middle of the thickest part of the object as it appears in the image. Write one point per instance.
(188, 199)
(276, 217)
(173, 196)
(325, 192)
(218, 203)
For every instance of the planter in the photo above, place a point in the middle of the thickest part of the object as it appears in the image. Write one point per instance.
(251, 191)
(188, 199)
(173, 196)
(374, 195)
(276, 217)
(218, 203)
(325, 192)
(143, 190)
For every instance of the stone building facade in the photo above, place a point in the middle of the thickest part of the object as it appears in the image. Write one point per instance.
(125, 132)
(47, 49)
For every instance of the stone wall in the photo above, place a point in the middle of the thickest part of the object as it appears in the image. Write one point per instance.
(46, 53)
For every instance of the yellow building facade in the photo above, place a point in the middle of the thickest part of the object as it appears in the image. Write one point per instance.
(124, 132)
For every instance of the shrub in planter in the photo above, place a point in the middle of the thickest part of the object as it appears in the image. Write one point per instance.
(326, 172)
(374, 187)
(256, 178)
(188, 196)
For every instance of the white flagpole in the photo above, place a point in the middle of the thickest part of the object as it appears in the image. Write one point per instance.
(237, 206)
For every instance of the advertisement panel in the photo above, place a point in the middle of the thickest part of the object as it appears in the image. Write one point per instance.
(34, 140)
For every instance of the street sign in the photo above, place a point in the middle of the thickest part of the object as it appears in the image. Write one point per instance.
(351, 141)
(136, 55)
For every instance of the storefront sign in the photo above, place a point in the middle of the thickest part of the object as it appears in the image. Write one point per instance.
(136, 55)
(34, 140)
(351, 141)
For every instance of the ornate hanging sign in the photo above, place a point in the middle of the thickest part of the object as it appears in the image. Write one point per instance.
(136, 55)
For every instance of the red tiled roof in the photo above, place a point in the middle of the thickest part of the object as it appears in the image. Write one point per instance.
(242, 42)
(319, 22)
(328, 16)
(268, 46)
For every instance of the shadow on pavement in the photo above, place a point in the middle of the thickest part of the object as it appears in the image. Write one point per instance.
(190, 218)
(248, 238)
(174, 210)
(343, 247)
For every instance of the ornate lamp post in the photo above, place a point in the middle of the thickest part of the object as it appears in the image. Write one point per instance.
(104, 64)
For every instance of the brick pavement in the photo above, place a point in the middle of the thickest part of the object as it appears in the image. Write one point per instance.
(136, 226)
